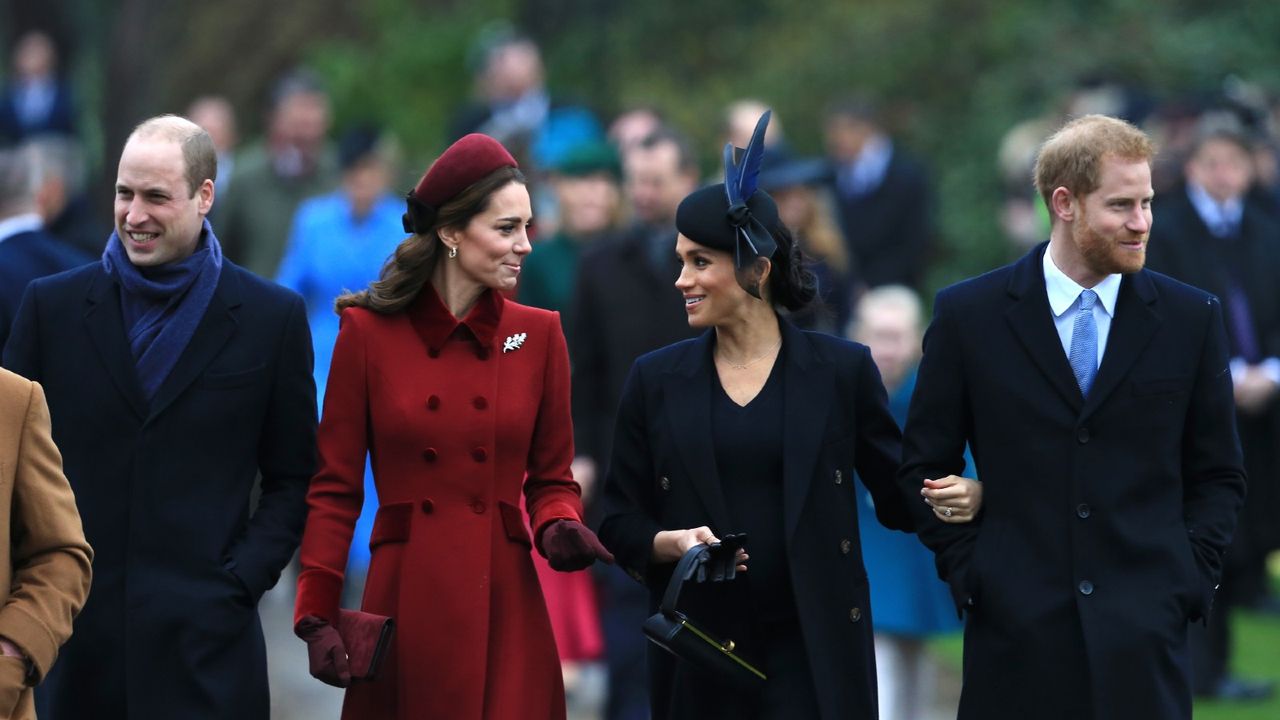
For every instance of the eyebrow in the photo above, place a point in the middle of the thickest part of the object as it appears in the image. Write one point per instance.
(513, 218)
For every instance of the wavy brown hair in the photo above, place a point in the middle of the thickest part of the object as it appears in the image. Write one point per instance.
(410, 267)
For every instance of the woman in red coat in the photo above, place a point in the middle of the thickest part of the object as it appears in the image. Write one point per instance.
(461, 398)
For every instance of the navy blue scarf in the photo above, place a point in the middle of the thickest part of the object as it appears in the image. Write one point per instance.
(163, 305)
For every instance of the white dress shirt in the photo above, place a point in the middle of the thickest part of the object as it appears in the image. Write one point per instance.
(1064, 300)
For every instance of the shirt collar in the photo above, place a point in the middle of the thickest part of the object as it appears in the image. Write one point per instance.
(1063, 291)
(26, 222)
(436, 325)
(1220, 218)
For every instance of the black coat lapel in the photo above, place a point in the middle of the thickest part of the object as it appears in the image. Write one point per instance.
(1032, 321)
(104, 322)
(1132, 328)
(687, 392)
(215, 329)
(809, 385)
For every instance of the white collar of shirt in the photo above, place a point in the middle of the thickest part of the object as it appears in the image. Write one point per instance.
(867, 171)
(1063, 291)
(1220, 218)
(26, 222)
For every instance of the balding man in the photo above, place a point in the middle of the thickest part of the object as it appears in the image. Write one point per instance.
(173, 377)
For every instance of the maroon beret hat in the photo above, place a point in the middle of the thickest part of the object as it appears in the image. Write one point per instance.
(465, 163)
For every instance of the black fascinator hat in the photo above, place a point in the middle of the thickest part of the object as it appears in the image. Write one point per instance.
(735, 215)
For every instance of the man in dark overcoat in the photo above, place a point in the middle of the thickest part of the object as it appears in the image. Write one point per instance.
(174, 378)
(1097, 399)
(1214, 234)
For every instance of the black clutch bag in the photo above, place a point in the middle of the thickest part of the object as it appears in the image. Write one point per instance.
(674, 632)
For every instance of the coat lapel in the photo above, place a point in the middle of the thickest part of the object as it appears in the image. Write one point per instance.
(104, 322)
(214, 330)
(1032, 322)
(688, 408)
(1132, 328)
(808, 384)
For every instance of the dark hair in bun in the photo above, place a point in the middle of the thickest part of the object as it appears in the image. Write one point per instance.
(791, 284)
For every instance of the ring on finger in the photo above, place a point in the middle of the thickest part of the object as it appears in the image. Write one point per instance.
(947, 511)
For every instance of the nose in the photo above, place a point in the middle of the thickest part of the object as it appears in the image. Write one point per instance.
(684, 280)
(1140, 221)
(523, 246)
(135, 213)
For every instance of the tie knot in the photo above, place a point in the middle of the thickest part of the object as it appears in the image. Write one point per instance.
(1087, 299)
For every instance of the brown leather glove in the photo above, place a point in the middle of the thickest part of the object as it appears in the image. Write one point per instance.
(325, 650)
(570, 545)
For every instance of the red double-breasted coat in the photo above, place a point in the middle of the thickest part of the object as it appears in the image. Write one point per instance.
(458, 417)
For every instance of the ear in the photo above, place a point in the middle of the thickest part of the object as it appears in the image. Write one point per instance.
(449, 236)
(1062, 204)
(764, 267)
(205, 194)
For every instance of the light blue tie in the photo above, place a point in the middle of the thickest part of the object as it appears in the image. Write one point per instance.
(1084, 343)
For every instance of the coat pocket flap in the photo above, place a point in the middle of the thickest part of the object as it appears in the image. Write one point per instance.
(391, 524)
(513, 524)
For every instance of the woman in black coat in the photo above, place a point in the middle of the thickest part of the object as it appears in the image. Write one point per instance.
(757, 427)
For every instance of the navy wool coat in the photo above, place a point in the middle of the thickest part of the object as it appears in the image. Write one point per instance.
(1104, 519)
(662, 476)
(171, 628)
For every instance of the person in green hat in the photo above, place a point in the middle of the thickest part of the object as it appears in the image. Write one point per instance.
(586, 188)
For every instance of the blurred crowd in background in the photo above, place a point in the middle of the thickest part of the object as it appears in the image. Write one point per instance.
(317, 207)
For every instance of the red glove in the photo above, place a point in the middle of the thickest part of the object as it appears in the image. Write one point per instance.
(325, 650)
(570, 546)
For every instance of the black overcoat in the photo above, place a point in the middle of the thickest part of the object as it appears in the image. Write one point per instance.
(171, 628)
(1105, 519)
(662, 476)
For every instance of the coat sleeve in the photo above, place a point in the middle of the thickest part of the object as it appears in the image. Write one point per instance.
(934, 446)
(51, 560)
(286, 460)
(629, 523)
(337, 490)
(550, 491)
(879, 447)
(1213, 478)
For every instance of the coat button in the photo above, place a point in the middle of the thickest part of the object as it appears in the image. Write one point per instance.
(479, 454)
(429, 454)
(433, 402)
(845, 546)
(1082, 435)
(428, 506)
(839, 477)
(1083, 511)
(477, 507)
(855, 614)
(1086, 587)
(480, 403)
(664, 482)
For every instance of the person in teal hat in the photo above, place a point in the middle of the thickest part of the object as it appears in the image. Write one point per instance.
(586, 188)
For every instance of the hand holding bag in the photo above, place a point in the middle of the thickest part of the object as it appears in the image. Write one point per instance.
(674, 632)
(367, 637)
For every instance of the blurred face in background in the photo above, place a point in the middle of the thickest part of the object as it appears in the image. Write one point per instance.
(513, 70)
(892, 331)
(656, 184)
(588, 204)
(796, 206)
(366, 181)
(300, 124)
(845, 135)
(218, 118)
(1222, 167)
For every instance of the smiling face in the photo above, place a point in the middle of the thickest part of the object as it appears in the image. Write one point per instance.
(493, 245)
(709, 284)
(157, 217)
(1109, 226)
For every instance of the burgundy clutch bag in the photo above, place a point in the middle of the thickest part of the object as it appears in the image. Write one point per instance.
(367, 638)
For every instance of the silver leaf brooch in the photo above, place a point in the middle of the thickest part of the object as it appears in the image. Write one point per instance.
(514, 342)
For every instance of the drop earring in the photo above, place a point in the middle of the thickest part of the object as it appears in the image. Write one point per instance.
(453, 252)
